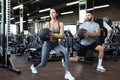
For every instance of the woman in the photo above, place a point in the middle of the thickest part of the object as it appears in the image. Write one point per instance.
(57, 29)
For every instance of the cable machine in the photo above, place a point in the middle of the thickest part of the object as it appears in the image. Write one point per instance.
(5, 50)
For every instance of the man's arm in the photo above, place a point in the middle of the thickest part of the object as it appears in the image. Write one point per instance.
(96, 33)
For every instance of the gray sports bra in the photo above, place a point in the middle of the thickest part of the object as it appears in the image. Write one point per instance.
(57, 30)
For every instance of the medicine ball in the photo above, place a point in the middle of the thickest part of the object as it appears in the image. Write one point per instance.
(80, 33)
(44, 34)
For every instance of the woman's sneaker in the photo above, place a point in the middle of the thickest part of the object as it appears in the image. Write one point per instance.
(63, 62)
(101, 69)
(33, 69)
(69, 76)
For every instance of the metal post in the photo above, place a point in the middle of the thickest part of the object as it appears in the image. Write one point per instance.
(5, 33)
(2, 32)
(82, 12)
(7, 28)
(21, 19)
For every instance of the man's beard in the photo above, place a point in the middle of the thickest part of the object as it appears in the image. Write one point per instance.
(89, 20)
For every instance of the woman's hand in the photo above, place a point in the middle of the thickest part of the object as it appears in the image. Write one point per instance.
(50, 35)
(53, 37)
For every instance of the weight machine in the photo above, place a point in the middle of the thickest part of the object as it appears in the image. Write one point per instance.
(67, 42)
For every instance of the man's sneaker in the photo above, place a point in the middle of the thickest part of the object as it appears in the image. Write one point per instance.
(33, 69)
(63, 62)
(82, 59)
(69, 76)
(101, 69)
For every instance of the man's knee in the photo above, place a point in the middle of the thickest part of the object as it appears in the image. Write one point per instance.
(75, 59)
(100, 48)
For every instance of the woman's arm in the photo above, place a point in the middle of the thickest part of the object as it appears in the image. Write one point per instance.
(61, 30)
(45, 25)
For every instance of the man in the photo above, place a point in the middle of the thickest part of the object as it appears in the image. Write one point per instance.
(90, 41)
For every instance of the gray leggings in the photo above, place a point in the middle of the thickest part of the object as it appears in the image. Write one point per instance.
(47, 47)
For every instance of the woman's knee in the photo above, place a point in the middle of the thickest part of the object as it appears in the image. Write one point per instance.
(64, 53)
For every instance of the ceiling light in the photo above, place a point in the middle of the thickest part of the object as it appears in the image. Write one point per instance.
(44, 17)
(24, 21)
(98, 7)
(72, 3)
(30, 20)
(69, 12)
(90, 9)
(44, 10)
(37, 0)
(19, 22)
(12, 18)
(103, 6)
(28, 14)
(34, 1)
(18, 7)
(75, 2)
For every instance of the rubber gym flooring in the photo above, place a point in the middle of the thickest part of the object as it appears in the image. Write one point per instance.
(55, 71)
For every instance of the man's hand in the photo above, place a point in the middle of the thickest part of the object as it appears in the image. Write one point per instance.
(86, 33)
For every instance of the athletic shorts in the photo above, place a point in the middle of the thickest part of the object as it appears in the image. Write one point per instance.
(83, 49)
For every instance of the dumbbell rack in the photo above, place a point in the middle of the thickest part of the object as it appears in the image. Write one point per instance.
(5, 60)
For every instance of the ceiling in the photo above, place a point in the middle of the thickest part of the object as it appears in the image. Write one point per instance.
(33, 6)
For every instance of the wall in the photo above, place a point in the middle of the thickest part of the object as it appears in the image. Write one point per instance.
(113, 12)
(70, 18)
